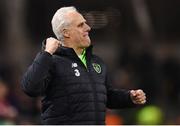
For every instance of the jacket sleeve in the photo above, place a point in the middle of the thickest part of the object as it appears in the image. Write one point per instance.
(117, 98)
(35, 80)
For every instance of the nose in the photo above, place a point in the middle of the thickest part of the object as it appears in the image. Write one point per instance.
(88, 28)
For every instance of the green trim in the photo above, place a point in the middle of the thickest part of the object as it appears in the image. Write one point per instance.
(82, 57)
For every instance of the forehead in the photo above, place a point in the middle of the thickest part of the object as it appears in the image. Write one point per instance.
(75, 17)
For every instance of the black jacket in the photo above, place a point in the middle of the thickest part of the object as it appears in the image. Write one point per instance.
(72, 93)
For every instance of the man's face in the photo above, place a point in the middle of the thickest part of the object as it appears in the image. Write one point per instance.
(78, 30)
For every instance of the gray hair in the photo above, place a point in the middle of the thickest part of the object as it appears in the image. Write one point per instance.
(59, 21)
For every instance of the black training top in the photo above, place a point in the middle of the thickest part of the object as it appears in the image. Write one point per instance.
(72, 93)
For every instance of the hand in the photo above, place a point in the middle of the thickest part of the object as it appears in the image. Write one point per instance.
(138, 96)
(52, 45)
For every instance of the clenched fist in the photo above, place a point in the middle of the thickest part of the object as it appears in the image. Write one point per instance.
(138, 96)
(52, 45)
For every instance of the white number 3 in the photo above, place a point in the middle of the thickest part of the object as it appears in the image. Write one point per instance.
(77, 73)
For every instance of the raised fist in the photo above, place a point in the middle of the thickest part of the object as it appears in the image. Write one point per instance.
(52, 45)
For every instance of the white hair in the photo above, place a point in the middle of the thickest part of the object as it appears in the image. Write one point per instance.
(59, 21)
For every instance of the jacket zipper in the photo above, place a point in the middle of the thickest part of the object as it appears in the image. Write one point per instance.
(93, 87)
(95, 96)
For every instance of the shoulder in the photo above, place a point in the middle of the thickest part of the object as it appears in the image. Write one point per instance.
(98, 59)
(60, 59)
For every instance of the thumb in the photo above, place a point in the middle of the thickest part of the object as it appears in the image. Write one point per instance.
(133, 93)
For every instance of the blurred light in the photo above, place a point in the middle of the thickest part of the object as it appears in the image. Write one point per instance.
(100, 19)
(150, 115)
(114, 119)
(96, 19)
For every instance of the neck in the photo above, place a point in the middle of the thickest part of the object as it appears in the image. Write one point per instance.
(77, 50)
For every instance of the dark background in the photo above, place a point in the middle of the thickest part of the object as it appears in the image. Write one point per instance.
(138, 39)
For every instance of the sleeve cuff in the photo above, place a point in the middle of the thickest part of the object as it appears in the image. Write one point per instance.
(44, 58)
(131, 104)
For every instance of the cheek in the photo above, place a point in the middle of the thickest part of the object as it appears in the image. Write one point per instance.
(77, 34)
(74, 36)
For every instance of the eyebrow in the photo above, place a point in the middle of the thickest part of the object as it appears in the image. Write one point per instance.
(82, 23)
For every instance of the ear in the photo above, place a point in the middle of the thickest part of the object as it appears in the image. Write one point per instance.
(66, 33)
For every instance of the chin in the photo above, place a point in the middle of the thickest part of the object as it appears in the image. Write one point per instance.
(88, 44)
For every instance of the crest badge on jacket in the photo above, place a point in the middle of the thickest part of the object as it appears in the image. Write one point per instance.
(97, 67)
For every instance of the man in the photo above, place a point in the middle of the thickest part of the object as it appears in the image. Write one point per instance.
(73, 81)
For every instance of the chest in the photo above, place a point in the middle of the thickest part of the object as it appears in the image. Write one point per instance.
(74, 74)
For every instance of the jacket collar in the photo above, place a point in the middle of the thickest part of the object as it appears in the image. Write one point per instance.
(65, 51)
